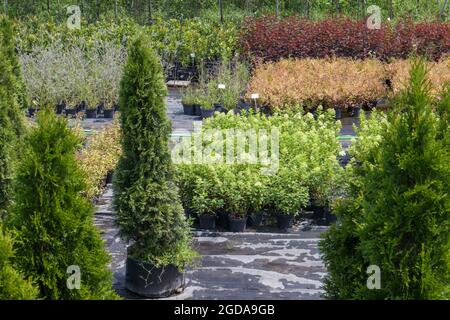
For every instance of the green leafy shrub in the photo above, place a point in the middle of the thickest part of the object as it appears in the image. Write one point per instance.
(13, 286)
(308, 151)
(341, 250)
(146, 198)
(53, 220)
(100, 157)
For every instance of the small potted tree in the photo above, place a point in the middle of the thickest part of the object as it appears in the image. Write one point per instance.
(146, 199)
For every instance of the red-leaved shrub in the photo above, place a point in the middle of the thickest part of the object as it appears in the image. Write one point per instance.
(271, 39)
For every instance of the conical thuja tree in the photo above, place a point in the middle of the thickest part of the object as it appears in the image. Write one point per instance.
(406, 199)
(13, 286)
(11, 116)
(147, 203)
(56, 243)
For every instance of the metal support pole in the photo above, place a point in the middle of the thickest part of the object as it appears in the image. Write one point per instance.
(221, 11)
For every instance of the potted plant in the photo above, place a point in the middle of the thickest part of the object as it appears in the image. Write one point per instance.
(234, 190)
(205, 207)
(146, 199)
(257, 200)
(188, 101)
(288, 196)
(206, 108)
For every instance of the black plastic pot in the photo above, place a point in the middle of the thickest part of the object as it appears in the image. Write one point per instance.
(197, 110)
(207, 113)
(237, 225)
(242, 105)
(82, 106)
(222, 219)
(108, 113)
(207, 222)
(255, 220)
(60, 108)
(319, 212)
(189, 109)
(218, 108)
(146, 280)
(91, 113)
(100, 108)
(330, 217)
(356, 112)
(109, 177)
(31, 111)
(284, 221)
(71, 112)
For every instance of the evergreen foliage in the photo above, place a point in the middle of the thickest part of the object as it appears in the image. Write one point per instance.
(11, 117)
(52, 219)
(146, 199)
(398, 214)
(13, 286)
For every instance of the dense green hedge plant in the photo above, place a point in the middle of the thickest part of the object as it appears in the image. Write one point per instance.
(53, 221)
(147, 203)
(398, 214)
(13, 285)
(11, 115)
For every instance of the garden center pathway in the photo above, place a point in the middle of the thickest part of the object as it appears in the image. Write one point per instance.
(251, 265)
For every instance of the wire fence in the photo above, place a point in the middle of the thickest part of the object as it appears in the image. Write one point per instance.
(144, 11)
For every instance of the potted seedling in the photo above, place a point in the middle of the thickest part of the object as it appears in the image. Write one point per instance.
(188, 101)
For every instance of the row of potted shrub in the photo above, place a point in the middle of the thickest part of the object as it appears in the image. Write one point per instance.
(338, 83)
(74, 78)
(272, 39)
(220, 88)
(81, 108)
(308, 171)
(99, 158)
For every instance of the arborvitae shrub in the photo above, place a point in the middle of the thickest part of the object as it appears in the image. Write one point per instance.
(146, 199)
(11, 117)
(13, 286)
(342, 255)
(53, 221)
(406, 199)
(397, 213)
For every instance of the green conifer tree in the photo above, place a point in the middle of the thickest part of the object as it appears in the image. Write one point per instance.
(11, 116)
(146, 198)
(406, 198)
(52, 219)
(13, 286)
(397, 215)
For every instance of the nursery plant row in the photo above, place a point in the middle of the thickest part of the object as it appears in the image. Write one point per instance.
(185, 45)
(338, 83)
(269, 38)
(304, 84)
